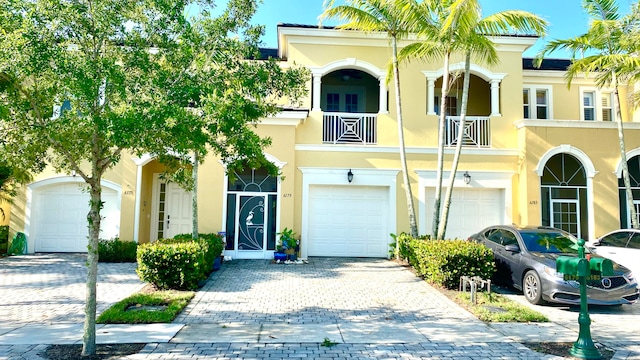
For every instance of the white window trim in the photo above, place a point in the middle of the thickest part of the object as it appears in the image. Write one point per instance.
(360, 91)
(533, 113)
(597, 102)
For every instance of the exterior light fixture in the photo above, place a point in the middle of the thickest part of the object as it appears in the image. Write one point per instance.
(350, 176)
(467, 177)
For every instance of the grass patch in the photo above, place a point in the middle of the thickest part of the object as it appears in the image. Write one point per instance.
(147, 308)
(497, 308)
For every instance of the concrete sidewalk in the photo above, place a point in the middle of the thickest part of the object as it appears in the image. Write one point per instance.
(254, 309)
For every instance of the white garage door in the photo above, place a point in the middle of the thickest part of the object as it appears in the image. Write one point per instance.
(59, 221)
(471, 210)
(348, 221)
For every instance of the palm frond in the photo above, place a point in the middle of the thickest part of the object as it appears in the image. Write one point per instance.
(601, 9)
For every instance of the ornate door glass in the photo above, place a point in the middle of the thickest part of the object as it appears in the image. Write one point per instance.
(251, 216)
(251, 211)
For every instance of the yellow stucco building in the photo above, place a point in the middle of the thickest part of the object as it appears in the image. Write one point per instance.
(535, 153)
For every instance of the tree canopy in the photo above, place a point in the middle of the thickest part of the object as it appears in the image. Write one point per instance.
(83, 81)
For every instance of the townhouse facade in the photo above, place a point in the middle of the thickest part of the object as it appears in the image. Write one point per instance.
(535, 152)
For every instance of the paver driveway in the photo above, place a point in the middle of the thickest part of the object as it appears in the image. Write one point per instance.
(326, 290)
(50, 288)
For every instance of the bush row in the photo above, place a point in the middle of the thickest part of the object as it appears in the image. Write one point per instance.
(179, 263)
(116, 251)
(4, 239)
(443, 262)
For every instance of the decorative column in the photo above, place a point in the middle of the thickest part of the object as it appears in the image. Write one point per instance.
(431, 89)
(382, 108)
(495, 97)
(317, 92)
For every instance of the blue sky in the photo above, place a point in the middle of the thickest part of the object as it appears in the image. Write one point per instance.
(566, 17)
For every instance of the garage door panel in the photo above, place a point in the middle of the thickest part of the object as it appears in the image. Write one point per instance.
(471, 210)
(348, 221)
(59, 218)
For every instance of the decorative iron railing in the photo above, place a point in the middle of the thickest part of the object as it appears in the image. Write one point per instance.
(477, 132)
(349, 128)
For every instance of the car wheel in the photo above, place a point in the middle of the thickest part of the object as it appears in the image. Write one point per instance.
(532, 288)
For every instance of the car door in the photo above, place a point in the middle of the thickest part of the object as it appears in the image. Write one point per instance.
(612, 246)
(497, 239)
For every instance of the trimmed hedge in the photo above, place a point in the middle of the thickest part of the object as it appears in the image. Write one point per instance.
(4, 239)
(443, 262)
(179, 263)
(117, 251)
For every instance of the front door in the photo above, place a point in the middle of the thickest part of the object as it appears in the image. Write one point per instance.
(250, 233)
(251, 214)
(172, 208)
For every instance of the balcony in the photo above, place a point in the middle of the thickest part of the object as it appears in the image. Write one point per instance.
(476, 131)
(349, 128)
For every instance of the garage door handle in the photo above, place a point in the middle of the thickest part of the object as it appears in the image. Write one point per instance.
(168, 220)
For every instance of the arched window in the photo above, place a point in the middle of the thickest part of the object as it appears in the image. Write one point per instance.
(564, 194)
(634, 178)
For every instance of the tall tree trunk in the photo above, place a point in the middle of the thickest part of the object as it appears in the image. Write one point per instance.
(194, 200)
(440, 164)
(95, 205)
(403, 156)
(623, 157)
(456, 157)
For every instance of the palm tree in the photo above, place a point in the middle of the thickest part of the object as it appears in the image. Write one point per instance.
(436, 42)
(613, 60)
(392, 17)
(472, 31)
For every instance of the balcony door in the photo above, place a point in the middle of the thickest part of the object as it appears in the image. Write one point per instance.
(345, 99)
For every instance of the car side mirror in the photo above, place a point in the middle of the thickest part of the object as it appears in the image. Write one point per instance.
(512, 248)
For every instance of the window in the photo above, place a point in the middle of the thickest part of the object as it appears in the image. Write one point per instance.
(634, 243)
(351, 102)
(607, 108)
(589, 108)
(452, 105)
(542, 104)
(525, 101)
(536, 102)
(616, 239)
(333, 102)
(596, 105)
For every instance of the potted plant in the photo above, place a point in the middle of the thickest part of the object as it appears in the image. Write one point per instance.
(289, 243)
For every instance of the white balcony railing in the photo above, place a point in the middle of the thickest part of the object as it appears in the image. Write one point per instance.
(477, 132)
(349, 128)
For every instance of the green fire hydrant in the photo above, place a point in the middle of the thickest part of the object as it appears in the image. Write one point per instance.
(580, 268)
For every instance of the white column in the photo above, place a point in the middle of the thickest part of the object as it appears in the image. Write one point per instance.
(136, 213)
(495, 98)
(382, 109)
(317, 91)
(431, 88)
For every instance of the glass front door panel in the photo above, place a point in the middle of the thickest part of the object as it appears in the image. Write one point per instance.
(252, 213)
(565, 217)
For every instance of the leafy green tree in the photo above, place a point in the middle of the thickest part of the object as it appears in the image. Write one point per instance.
(607, 50)
(473, 31)
(128, 74)
(393, 18)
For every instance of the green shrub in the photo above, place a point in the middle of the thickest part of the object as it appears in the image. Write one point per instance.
(179, 263)
(4, 239)
(116, 250)
(443, 262)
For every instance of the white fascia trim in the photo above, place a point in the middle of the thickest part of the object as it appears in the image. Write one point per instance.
(286, 118)
(479, 180)
(408, 150)
(338, 176)
(524, 123)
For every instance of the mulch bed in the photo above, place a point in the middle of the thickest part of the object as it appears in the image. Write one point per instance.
(562, 349)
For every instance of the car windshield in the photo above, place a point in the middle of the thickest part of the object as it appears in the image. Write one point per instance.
(549, 242)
